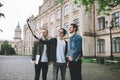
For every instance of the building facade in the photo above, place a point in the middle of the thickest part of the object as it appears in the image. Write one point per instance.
(96, 36)
(52, 15)
(28, 40)
(103, 45)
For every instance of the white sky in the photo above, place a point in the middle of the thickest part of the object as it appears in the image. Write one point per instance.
(16, 11)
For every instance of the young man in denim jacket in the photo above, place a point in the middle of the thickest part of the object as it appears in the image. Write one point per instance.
(75, 44)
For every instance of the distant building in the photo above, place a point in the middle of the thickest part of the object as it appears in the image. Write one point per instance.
(18, 42)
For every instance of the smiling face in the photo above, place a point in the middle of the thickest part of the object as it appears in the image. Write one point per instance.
(44, 33)
(71, 29)
(61, 33)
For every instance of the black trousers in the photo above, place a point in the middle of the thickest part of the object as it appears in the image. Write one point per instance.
(38, 67)
(75, 70)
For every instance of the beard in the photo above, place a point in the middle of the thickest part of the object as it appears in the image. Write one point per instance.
(71, 32)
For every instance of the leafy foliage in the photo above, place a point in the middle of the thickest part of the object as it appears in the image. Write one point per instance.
(103, 5)
(1, 14)
(6, 49)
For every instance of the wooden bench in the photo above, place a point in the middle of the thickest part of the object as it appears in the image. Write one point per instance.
(93, 59)
(113, 61)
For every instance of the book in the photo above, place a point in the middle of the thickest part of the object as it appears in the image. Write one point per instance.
(37, 59)
(78, 57)
(70, 52)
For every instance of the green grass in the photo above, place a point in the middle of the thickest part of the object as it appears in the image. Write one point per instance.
(116, 70)
(90, 60)
(85, 60)
(16, 55)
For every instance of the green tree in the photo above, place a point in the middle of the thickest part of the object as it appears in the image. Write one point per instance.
(1, 14)
(103, 5)
(6, 49)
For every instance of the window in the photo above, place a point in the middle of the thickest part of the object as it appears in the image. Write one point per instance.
(52, 33)
(116, 45)
(66, 10)
(97, 6)
(52, 18)
(57, 28)
(76, 21)
(37, 26)
(66, 26)
(58, 14)
(101, 45)
(41, 23)
(116, 18)
(101, 23)
(76, 6)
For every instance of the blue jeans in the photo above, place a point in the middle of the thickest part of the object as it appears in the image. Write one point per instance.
(56, 67)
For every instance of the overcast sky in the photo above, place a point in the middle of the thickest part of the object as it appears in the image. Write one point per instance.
(16, 11)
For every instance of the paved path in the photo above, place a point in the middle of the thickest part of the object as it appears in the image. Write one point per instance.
(20, 68)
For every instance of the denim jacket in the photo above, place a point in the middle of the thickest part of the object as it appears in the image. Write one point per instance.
(76, 45)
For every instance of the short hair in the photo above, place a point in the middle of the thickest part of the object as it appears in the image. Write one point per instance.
(63, 30)
(45, 29)
(75, 26)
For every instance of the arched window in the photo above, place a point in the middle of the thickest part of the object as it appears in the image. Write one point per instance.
(66, 26)
(101, 23)
(101, 45)
(116, 16)
(116, 44)
(58, 14)
(52, 18)
(66, 10)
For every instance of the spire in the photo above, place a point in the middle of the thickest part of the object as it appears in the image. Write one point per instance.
(18, 26)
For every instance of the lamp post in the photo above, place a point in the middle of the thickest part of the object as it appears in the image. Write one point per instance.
(61, 15)
(1, 30)
(111, 51)
(110, 28)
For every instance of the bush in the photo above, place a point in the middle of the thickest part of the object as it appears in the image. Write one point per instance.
(7, 49)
